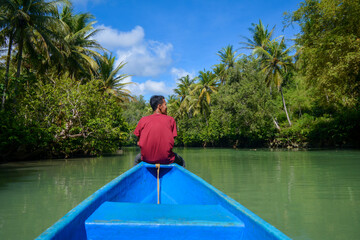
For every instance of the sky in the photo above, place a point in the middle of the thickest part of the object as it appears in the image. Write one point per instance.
(164, 40)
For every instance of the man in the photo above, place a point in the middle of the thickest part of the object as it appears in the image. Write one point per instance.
(156, 135)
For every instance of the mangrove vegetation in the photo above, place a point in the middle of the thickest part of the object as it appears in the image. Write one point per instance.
(62, 94)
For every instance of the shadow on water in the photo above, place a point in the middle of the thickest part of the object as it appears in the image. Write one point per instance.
(12, 173)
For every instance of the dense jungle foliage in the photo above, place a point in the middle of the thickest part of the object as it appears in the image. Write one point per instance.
(62, 95)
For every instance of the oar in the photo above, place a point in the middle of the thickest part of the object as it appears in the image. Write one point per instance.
(158, 182)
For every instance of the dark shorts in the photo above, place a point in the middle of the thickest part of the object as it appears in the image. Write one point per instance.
(178, 160)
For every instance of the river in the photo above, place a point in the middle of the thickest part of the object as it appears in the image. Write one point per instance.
(305, 194)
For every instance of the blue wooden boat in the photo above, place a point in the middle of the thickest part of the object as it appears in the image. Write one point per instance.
(190, 208)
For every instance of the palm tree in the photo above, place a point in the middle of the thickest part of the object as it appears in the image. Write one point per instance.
(186, 102)
(207, 84)
(273, 57)
(171, 99)
(30, 21)
(26, 22)
(6, 35)
(220, 72)
(183, 87)
(111, 80)
(173, 103)
(228, 56)
(275, 62)
(261, 36)
(79, 46)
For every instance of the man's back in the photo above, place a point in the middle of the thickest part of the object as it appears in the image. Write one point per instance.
(156, 133)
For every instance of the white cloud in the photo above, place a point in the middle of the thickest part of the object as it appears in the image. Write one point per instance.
(112, 38)
(144, 57)
(179, 73)
(150, 87)
(150, 58)
(155, 87)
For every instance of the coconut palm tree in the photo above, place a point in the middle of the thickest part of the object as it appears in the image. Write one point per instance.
(260, 36)
(183, 87)
(27, 22)
(173, 104)
(228, 56)
(220, 72)
(7, 37)
(79, 48)
(275, 61)
(111, 81)
(207, 84)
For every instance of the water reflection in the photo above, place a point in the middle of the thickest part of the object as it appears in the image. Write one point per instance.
(35, 195)
(306, 194)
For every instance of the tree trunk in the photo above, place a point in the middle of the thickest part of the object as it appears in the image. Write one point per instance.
(7, 72)
(283, 99)
(276, 124)
(18, 71)
(207, 124)
(21, 45)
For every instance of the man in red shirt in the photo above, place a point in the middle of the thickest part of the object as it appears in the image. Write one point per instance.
(156, 135)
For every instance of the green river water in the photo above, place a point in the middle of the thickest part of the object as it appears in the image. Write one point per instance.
(305, 194)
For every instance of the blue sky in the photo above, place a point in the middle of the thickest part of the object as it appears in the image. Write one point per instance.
(163, 40)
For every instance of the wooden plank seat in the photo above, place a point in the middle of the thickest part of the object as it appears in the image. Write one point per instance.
(119, 220)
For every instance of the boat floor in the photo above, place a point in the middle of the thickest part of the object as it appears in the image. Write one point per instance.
(120, 220)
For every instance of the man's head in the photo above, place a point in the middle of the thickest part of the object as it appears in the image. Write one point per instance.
(158, 104)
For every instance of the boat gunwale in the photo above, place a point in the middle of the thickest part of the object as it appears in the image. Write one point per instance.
(62, 223)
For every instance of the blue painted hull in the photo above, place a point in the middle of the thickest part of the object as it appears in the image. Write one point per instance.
(190, 208)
